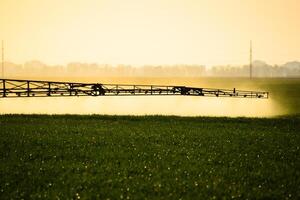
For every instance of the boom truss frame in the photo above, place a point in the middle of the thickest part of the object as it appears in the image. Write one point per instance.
(13, 88)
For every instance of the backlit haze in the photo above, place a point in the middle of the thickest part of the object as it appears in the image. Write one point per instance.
(150, 31)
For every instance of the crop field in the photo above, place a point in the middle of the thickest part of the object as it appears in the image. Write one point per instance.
(149, 157)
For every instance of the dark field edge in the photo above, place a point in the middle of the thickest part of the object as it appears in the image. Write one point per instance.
(149, 117)
(155, 119)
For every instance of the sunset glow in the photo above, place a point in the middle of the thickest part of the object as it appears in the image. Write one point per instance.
(150, 32)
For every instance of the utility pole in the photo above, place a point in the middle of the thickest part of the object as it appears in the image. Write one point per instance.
(250, 64)
(2, 63)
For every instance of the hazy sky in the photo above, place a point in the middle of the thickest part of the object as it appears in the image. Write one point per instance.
(150, 31)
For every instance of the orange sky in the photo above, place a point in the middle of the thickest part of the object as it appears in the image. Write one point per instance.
(150, 31)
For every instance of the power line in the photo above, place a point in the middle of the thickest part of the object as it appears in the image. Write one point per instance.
(2, 59)
(250, 64)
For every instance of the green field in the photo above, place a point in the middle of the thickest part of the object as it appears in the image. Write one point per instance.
(153, 157)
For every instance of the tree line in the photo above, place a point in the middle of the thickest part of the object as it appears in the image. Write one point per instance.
(77, 69)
